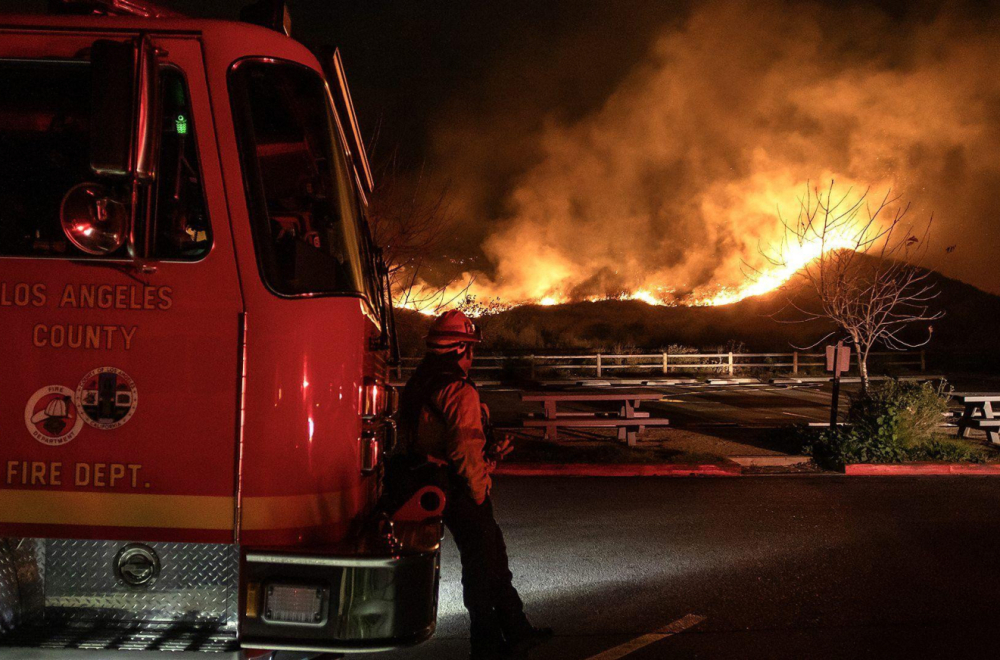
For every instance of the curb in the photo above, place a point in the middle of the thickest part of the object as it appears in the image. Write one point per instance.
(733, 470)
(619, 470)
(926, 469)
(770, 461)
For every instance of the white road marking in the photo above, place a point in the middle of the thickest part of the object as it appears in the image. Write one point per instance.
(678, 626)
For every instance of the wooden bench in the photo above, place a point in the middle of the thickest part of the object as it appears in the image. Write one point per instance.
(979, 414)
(629, 421)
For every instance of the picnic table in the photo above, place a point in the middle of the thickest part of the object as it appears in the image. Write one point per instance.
(629, 420)
(979, 414)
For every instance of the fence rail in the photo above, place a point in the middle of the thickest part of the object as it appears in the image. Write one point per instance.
(665, 362)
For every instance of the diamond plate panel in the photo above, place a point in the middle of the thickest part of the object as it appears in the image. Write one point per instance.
(29, 558)
(10, 597)
(198, 583)
(20, 581)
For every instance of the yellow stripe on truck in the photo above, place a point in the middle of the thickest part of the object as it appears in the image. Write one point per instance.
(293, 511)
(172, 511)
(116, 510)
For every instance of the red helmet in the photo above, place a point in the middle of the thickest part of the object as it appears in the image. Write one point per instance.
(451, 330)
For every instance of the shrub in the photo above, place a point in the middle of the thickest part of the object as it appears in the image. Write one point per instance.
(910, 411)
(892, 422)
(835, 448)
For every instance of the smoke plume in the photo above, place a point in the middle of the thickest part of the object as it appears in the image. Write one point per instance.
(671, 183)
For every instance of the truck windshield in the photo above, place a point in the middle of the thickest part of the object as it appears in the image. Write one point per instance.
(302, 203)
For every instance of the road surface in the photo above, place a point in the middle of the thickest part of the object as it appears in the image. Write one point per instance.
(779, 567)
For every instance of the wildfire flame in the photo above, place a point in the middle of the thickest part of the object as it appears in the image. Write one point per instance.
(760, 282)
(778, 260)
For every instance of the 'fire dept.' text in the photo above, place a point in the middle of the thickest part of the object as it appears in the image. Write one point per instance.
(95, 475)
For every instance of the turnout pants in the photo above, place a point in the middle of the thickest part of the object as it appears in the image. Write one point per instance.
(495, 608)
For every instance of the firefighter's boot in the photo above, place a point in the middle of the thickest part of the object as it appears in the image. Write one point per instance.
(486, 638)
(527, 638)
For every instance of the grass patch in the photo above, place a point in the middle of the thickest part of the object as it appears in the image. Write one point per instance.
(949, 450)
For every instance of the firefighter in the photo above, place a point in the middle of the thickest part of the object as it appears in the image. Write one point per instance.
(442, 421)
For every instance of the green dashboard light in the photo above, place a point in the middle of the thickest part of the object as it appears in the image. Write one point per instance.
(182, 125)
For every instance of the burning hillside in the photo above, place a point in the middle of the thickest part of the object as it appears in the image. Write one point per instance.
(666, 191)
(751, 323)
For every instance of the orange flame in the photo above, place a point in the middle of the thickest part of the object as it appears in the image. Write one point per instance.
(760, 283)
(777, 262)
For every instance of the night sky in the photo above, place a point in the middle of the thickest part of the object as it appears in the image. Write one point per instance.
(696, 117)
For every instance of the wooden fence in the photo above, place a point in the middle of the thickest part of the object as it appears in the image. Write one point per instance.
(603, 364)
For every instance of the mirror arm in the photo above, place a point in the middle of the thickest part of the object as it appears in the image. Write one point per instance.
(145, 152)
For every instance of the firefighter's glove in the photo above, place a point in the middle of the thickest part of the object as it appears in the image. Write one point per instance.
(498, 451)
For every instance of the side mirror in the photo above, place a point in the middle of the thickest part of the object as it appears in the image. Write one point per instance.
(124, 89)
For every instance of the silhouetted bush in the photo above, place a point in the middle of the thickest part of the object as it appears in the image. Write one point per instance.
(893, 421)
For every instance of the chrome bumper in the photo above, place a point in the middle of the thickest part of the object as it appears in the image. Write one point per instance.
(71, 596)
(377, 601)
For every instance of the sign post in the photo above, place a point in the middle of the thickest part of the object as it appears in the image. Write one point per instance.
(838, 360)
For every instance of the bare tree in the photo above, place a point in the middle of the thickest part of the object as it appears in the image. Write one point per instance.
(858, 258)
(408, 223)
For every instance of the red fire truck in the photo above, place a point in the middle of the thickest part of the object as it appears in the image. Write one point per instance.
(196, 337)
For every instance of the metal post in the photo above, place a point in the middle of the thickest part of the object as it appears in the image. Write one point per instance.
(598, 365)
(835, 404)
(730, 363)
(665, 366)
(795, 362)
(923, 360)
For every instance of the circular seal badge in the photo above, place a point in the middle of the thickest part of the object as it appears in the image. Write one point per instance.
(51, 416)
(106, 398)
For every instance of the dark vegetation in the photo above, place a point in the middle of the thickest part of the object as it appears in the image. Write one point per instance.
(891, 422)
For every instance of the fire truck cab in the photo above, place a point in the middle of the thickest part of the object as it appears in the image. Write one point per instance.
(197, 334)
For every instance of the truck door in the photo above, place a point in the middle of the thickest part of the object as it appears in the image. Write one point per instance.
(119, 407)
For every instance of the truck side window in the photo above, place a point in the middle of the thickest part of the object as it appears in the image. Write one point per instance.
(303, 211)
(180, 223)
(45, 129)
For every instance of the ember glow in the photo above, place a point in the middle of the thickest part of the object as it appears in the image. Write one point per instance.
(666, 190)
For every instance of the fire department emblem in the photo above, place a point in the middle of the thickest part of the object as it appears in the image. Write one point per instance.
(106, 398)
(52, 417)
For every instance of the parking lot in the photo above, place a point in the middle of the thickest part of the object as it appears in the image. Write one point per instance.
(706, 422)
(748, 427)
(701, 405)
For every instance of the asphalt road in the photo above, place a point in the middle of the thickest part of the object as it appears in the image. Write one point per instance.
(780, 567)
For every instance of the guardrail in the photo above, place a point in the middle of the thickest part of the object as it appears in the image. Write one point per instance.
(663, 363)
